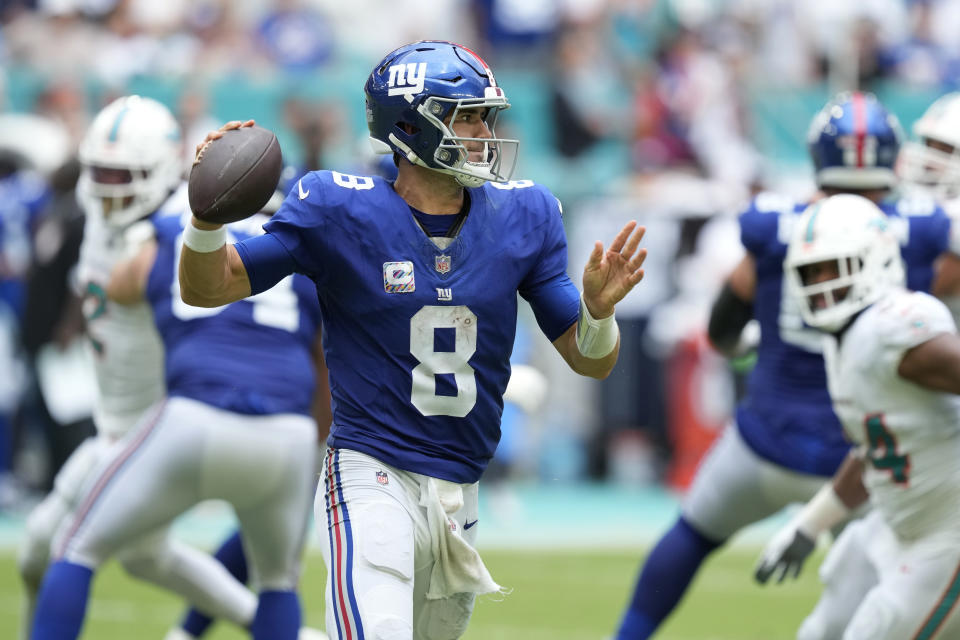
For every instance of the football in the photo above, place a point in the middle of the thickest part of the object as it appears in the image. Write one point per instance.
(235, 175)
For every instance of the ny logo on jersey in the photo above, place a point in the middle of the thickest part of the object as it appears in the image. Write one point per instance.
(406, 78)
(444, 295)
(398, 277)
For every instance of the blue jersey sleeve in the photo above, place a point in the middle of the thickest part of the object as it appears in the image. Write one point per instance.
(300, 226)
(760, 222)
(547, 287)
(266, 260)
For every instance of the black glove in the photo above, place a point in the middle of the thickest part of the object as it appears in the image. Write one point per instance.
(786, 551)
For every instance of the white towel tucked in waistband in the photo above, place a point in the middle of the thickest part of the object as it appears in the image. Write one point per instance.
(457, 567)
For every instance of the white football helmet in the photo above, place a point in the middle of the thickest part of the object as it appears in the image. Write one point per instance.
(932, 161)
(842, 258)
(132, 160)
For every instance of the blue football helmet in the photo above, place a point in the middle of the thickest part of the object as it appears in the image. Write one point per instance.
(416, 90)
(854, 142)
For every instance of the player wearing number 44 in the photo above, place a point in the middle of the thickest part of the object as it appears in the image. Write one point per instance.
(418, 283)
(235, 423)
(893, 367)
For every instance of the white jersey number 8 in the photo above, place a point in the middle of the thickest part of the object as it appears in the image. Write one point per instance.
(423, 326)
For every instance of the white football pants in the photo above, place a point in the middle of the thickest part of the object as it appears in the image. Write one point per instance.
(379, 553)
(155, 557)
(182, 453)
(734, 487)
(876, 588)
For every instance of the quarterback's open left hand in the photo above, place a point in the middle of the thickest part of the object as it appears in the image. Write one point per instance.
(610, 274)
(786, 552)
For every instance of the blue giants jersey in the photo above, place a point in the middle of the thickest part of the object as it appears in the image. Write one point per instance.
(418, 338)
(254, 356)
(23, 197)
(787, 416)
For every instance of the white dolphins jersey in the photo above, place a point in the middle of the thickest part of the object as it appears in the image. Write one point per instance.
(126, 349)
(911, 434)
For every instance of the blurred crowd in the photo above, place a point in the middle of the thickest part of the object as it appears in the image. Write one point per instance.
(646, 109)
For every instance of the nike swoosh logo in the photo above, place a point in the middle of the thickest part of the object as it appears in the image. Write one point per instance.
(467, 525)
(303, 194)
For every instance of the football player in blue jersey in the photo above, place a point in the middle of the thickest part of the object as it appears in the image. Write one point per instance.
(24, 196)
(196, 623)
(785, 439)
(418, 281)
(130, 157)
(234, 422)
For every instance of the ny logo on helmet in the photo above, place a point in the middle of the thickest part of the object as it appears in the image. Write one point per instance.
(407, 78)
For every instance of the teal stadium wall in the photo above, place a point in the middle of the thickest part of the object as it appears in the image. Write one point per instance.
(778, 116)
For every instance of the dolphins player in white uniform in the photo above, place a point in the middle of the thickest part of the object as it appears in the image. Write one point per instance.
(131, 166)
(931, 163)
(893, 368)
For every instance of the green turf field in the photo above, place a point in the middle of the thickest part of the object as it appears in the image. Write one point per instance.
(562, 595)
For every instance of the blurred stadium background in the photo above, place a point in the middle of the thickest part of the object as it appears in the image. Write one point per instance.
(672, 112)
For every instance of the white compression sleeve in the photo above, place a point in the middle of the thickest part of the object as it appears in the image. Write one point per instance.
(595, 338)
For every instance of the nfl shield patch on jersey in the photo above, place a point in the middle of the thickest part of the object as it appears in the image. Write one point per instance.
(398, 277)
(442, 263)
(382, 477)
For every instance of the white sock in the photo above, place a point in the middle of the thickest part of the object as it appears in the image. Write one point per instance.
(193, 574)
(178, 634)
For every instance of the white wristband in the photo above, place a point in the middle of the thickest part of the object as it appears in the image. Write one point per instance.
(204, 240)
(595, 338)
(823, 511)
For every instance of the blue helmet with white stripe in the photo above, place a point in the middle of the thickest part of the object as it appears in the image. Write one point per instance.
(853, 142)
(415, 93)
(131, 158)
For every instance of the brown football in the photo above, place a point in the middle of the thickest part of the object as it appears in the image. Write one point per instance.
(235, 175)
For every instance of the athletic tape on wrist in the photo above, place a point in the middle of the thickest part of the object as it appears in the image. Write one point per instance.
(204, 240)
(595, 338)
(824, 511)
